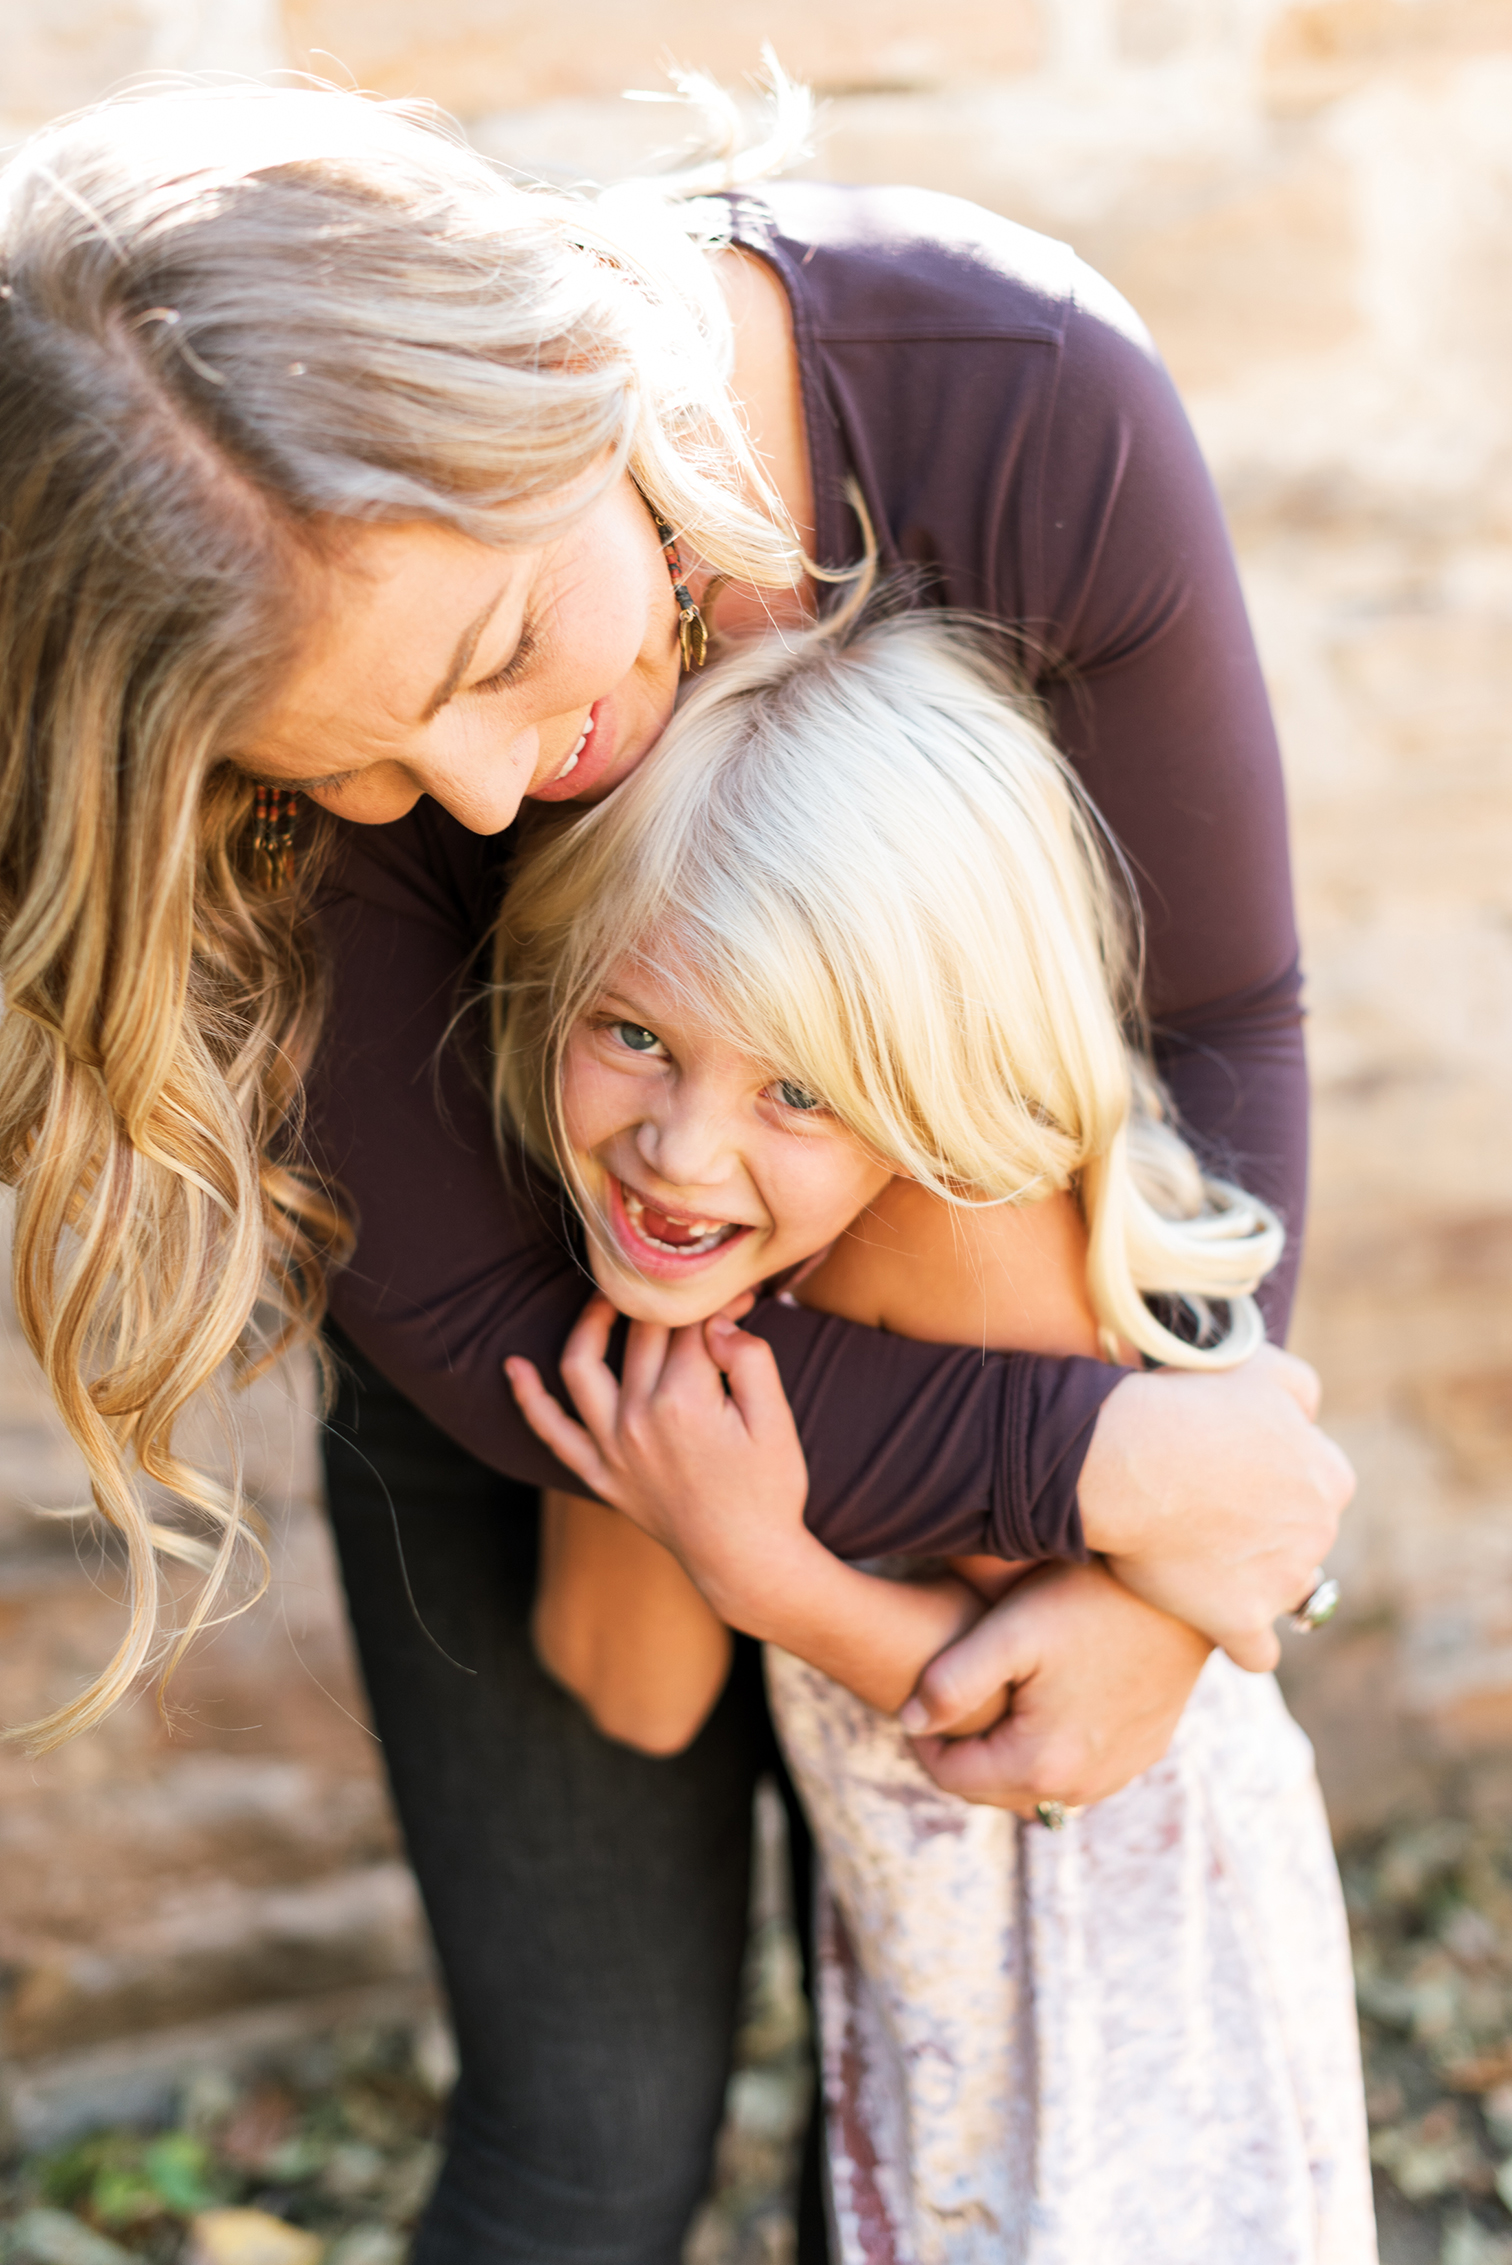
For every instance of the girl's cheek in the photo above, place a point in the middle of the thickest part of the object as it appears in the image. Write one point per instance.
(813, 1201)
(600, 1099)
(578, 1113)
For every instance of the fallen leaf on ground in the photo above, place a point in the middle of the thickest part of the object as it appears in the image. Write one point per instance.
(248, 2237)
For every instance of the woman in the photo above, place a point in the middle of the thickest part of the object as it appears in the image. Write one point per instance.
(326, 462)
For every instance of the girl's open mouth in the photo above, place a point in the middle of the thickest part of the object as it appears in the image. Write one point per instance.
(662, 1242)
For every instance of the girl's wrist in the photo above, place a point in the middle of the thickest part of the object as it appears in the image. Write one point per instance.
(758, 1589)
(871, 1634)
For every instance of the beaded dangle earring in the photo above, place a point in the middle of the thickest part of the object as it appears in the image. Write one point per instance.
(273, 836)
(692, 630)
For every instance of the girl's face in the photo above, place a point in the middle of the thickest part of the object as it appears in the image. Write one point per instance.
(438, 665)
(703, 1172)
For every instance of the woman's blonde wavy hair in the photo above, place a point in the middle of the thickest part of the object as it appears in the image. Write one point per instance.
(857, 853)
(234, 324)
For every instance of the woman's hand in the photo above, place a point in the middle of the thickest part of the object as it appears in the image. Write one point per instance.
(1216, 1498)
(716, 1475)
(1099, 1682)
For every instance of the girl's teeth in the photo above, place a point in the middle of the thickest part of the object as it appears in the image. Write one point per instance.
(713, 1231)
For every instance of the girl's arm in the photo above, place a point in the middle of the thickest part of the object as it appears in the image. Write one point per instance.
(622, 1626)
(701, 1421)
(619, 1624)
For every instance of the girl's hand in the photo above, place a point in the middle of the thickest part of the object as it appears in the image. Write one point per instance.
(1216, 1498)
(1099, 1683)
(695, 1443)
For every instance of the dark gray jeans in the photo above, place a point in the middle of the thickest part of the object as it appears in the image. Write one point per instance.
(588, 1903)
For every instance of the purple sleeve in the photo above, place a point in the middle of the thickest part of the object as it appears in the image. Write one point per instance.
(1157, 696)
(911, 1447)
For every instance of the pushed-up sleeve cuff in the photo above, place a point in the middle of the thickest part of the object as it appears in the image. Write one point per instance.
(1052, 1408)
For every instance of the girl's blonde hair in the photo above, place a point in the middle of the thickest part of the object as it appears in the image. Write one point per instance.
(857, 854)
(234, 323)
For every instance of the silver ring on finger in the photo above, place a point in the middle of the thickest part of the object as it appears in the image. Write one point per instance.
(1320, 1605)
(1053, 1814)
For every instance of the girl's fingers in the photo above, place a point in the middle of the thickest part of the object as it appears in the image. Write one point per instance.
(645, 1358)
(691, 1387)
(568, 1441)
(750, 1366)
(592, 1328)
(586, 1373)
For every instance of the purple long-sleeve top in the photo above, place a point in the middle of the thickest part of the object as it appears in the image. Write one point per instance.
(1022, 450)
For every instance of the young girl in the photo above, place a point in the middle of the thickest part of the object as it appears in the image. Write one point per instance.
(832, 997)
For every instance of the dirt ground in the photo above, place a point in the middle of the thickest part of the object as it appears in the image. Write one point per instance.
(341, 2144)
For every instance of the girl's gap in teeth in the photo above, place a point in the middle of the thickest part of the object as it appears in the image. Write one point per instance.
(717, 1232)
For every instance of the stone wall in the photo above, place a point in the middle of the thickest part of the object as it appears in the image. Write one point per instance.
(1312, 207)
(219, 1879)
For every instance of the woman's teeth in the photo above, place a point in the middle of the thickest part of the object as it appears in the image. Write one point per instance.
(571, 762)
(664, 1230)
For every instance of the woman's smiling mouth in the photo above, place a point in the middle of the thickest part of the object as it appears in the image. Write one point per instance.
(666, 1242)
(585, 764)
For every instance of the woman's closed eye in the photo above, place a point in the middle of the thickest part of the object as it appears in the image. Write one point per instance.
(514, 668)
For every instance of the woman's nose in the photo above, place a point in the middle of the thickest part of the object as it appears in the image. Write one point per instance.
(483, 792)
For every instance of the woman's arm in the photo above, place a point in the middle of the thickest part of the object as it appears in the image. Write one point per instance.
(1015, 1278)
(1156, 694)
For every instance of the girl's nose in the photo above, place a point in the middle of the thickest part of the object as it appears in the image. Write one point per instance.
(686, 1144)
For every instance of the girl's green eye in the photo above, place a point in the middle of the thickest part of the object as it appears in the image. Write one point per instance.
(636, 1036)
(796, 1096)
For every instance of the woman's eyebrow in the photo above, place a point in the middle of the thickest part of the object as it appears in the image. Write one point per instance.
(467, 645)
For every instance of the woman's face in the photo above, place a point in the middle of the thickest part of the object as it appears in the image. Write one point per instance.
(441, 666)
(703, 1173)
